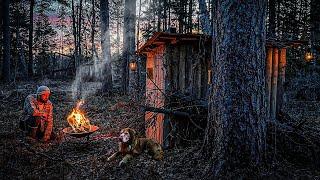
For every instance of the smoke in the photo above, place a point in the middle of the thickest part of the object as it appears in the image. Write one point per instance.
(88, 79)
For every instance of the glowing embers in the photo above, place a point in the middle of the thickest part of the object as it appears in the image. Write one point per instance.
(77, 120)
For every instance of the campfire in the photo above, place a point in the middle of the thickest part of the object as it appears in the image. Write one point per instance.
(77, 120)
(79, 125)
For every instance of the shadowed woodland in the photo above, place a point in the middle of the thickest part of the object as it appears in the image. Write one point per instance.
(229, 89)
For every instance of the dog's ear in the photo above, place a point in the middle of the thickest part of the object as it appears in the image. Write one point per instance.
(133, 132)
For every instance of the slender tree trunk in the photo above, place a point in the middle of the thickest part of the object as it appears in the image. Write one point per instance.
(105, 43)
(158, 15)
(79, 31)
(93, 28)
(21, 57)
(165, 7)
(118, 31)
(180, 17)
(129, 41)
(6, 42)
(235, 134)
(315, 25)
(30, 63)
(74, 30)
(138, 25)
(169, 14)
(190, 16)
(204, 18)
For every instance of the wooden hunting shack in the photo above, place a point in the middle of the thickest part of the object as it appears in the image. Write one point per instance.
(178, 65)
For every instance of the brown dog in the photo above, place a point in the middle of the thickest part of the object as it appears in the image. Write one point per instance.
(130, 145)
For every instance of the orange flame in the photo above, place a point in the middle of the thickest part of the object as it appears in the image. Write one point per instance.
(77, 119)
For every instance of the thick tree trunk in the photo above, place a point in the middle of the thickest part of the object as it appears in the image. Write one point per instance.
(6, 42)
(30, 63)
(105, 44)
(129, 44)
(204, 18)
(236, 129)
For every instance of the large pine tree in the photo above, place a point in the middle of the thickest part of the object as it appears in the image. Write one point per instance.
(235, 135)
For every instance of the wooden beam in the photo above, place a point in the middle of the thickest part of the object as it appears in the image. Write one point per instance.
(273, 107)
(166, 111)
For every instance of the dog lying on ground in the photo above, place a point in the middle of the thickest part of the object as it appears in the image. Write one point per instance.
(130, 145)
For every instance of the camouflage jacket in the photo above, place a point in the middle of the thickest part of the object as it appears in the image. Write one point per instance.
(32, 107)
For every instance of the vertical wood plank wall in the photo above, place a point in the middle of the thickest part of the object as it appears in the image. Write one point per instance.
(154, 96)
(175, 69)
(275, 78)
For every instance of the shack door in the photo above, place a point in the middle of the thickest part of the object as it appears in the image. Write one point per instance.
(154, 94)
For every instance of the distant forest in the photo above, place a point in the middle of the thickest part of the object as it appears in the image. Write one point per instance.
(35, 33)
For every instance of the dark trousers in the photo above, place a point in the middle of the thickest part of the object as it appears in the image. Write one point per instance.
(33, 124)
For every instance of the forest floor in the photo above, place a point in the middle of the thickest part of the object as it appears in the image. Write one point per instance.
(72, 158)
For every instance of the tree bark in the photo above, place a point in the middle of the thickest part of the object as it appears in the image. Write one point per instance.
(30, 63)
(105, 44)
(6, 75)
(236, 129)
(204, 18)
(129, 44)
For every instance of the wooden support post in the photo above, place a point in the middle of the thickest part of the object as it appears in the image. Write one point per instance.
(189, 69)
(281, 80)
(268, 79)
(274, 88)
(168, 69)
(182, 68)
(175, 68)
(199, 70)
